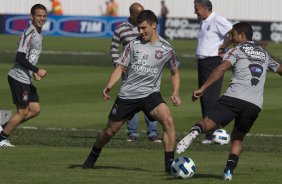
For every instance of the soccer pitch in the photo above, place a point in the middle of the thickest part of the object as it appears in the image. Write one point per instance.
(52, 147)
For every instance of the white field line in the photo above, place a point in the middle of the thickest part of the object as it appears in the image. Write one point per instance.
(95, 130)
(78, 53)
(83, 53)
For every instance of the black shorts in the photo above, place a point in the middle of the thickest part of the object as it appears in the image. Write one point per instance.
(22, 93)
(228, 108)
(124, 109)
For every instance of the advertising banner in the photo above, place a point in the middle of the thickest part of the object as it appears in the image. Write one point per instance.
(75, 26)
(84, 26)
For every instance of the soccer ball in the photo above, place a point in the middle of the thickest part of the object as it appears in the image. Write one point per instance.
(221, 137)
(183, 167)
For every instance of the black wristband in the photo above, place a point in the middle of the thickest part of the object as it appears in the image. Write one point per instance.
(223, 49)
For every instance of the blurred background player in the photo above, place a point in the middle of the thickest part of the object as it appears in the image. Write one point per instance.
(211, 43)
(163, 16)
(123, 34)
(24, 94)
(140, 90)
(242, 100)
(56, 7)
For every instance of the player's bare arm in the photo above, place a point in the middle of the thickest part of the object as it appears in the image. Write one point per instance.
(114, 77)
(215, 75)
(279, 70)
(175, 82)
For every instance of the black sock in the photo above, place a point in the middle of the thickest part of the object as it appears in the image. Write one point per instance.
(95, 152)
(197, 127)
(169, 157)
(232, 162)
(3, 136)
(4, 125)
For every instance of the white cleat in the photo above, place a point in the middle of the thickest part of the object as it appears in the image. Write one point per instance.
(6, 143)
(186, 141)
(227, 175)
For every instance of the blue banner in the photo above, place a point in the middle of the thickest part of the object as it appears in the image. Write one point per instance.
(75, 26)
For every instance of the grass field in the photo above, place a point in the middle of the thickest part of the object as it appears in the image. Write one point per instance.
(52, 147)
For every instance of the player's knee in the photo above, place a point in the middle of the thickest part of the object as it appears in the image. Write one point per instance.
(168, 123)
(109, 132)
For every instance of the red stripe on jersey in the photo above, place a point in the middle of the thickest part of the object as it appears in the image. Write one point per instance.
(126, 52)
(173, 58)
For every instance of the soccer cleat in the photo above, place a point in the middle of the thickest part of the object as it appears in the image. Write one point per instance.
(155, 139)
(89, 163)
(227, 175)
(6, 143)
(186, 141)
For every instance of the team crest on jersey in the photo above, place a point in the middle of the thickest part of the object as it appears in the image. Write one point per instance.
(158, 54)
(25, 96)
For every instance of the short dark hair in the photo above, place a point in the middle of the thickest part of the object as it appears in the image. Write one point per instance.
(147, 15)
(37, 6)
(205, 3)
(244, 27)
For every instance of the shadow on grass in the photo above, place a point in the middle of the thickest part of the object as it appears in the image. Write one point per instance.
(198, 176)
(74, 166)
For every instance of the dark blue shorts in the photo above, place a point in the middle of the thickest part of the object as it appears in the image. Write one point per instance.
(228, 108)
(124, 109)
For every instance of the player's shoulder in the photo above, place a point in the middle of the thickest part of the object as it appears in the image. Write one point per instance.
(136, 41)
(165, 44)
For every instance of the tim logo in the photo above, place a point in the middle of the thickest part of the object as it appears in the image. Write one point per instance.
(17, 24)
(256, 71)
(158, 54)
(75, 26)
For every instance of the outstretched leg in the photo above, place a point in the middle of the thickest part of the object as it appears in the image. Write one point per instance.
(201, 127)
(103, 138)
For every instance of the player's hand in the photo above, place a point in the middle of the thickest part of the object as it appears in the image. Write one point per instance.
(36, 77)
(197, 94)
(41, 72)
(221, 52)
(106, 92)
(176, 101)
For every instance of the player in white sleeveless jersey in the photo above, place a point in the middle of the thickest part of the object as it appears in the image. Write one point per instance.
(142, 61)
(243, 99)
(24, 94)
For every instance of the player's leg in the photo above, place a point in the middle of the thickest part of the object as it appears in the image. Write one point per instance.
(103, 137)
(201, 127)
(223, 112)
(152, 130)
(235, 151)
(163, 115)
(132, 128)
(11, 125)
(243, 123)
(20, 93)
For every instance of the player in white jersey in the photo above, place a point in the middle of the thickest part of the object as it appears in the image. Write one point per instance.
(243, 99)
(125, 33)
(24, 94)
(143, 60)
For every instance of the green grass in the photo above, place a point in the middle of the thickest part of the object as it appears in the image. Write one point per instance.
(72, 102)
